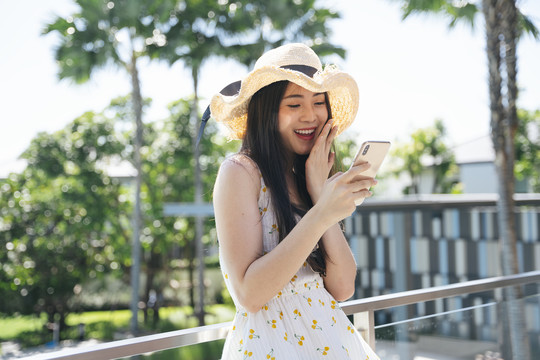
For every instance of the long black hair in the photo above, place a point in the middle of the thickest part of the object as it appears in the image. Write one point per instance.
(263, 144)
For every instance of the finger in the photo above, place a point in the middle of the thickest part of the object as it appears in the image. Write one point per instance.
(323, 136)
(363, 184)
(362, 194)
(326, 128)
(331, 135)
(331, 158)
(336, 175)
(356, 170)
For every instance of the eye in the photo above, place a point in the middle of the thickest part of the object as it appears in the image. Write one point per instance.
(318, 103)
(294, 106)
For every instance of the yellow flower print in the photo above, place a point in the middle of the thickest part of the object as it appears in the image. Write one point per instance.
(294, 278)
(273, 323)
(321, 302)
(252, 334)
(226, 276)
(296, 313)
(334, 320)
(265, 307)
(264, 189)
(247, 354)
(300, 339)
(286, 337)
(324, 351)
(317, 285)
(334, 304)
(315, 326)
(279, 294)
(274, 229)
(281, 315)
(241, 341)
(347, 350)
(234, 327)
(351, 329)
(308, 300)
(270, 355)
(305, 263)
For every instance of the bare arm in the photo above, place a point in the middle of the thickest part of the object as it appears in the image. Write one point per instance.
(256, 279)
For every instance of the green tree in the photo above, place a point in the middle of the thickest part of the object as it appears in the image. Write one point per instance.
(63, 219)
(264, 25)
(427, 149)
(168, 168)
(528, 148)
(504, 24)
(115, 33)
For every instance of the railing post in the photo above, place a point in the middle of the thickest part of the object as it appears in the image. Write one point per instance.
(364, 322)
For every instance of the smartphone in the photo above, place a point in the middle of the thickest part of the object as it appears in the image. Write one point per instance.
(373, 152)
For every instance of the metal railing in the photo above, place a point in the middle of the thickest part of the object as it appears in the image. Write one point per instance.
(362, 311)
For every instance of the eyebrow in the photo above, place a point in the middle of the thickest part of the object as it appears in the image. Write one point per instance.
(301, 96)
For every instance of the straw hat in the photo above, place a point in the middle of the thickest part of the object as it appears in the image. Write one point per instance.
(296, 63)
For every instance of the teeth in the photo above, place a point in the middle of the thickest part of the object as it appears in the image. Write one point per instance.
(305, 132)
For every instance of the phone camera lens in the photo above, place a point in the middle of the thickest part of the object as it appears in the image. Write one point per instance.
(365, 150)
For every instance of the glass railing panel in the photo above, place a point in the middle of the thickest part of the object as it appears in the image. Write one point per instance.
(467, 333)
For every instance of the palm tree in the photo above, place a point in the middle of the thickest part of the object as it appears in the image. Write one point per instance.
(504, 23)
(105, 33)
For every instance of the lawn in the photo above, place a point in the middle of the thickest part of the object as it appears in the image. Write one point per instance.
(106, 325)
(11, 327)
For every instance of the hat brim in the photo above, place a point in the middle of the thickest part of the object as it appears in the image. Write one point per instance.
(341, 88)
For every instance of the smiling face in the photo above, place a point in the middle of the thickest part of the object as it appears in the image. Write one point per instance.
(302, 115)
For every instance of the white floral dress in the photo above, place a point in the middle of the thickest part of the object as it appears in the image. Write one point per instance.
(303, 321)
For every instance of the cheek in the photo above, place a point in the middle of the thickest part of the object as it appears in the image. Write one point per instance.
(323, 113)
(284, 120)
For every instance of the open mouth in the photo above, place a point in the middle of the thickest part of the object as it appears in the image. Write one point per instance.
(305, 132)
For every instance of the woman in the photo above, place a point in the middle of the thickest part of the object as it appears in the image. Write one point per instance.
(283, 254)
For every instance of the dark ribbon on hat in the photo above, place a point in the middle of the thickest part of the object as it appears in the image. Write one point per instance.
(234, 88)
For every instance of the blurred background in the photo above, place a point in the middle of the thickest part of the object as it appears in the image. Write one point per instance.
(101, 102)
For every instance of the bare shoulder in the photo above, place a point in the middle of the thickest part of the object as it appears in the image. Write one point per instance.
(238, 173)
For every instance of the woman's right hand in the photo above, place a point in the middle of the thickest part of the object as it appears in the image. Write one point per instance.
(338, 196)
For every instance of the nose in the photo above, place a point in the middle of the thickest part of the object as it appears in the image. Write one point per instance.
(309, 114)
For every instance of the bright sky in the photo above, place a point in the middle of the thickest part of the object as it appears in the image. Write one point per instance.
(409, 73)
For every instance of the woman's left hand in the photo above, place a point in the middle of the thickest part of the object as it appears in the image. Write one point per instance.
(320, 161)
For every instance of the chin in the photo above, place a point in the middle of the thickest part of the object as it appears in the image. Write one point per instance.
(304, 152)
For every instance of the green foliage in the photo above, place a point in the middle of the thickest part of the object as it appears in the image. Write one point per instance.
(105, 33)
(81, 215)
(527, 145)
(461, 11)
(168, 176)
(427, 149)
(63, 218)
(243, 30)
(456, 11)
